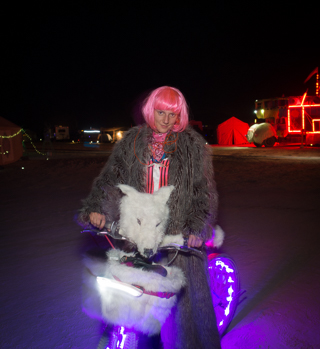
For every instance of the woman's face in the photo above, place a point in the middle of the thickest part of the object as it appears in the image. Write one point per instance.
(164, 120)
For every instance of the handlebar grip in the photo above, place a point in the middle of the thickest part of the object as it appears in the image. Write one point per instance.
(111, 229)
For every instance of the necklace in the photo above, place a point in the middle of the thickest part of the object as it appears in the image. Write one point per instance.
(158, 145)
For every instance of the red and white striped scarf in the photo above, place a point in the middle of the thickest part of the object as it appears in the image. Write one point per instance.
(158, 165)
(157, 172)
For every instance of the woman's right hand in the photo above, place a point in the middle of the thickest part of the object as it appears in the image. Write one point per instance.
(97, 219)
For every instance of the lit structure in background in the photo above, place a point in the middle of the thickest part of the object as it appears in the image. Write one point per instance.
(61, 133)
(304, 117)
(103, 135)
(91, 131)
(293, 116)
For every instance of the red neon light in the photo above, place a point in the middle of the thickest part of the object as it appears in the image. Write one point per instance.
(289, 121)
(305, 106)
(299, 131)
(302, 118)
(303, 98)
(313, 120)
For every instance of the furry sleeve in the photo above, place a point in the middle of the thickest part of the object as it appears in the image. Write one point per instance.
(202, 214)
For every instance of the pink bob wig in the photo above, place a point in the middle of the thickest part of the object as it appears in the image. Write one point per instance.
(166, 98)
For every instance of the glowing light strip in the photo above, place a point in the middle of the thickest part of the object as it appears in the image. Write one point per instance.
(228, 270)
(306, 106)
(124, 336)
(289, 121)
(303, 118)
(8, 137)
(303, 98)
(11, 136)
(229, 298)
(230, 279)
(32, 143)
(92, 131)
(117, 285)
(121, 343)
(299, 131)
(24, 134)
(313, 120)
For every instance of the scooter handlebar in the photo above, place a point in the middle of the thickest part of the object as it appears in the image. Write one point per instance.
(112, 229)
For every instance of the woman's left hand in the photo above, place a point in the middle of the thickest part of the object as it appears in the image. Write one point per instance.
(194, 241)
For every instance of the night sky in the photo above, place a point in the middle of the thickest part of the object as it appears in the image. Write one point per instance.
(91, 65)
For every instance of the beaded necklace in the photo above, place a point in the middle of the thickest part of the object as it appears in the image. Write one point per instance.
(157, 144)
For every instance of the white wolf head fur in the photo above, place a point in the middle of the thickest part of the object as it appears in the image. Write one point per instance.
(143, 217)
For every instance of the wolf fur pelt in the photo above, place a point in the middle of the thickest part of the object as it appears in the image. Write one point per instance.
(216, 241)
(146, 313)
(143, 220)
(143, 217)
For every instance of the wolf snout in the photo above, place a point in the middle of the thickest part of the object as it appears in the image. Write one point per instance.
(148, 252)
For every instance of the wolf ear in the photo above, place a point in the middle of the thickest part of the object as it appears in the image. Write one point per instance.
(163, 194)
(126, 189)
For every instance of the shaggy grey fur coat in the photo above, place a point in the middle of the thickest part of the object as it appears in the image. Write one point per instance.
(193, 210)
(193, 204)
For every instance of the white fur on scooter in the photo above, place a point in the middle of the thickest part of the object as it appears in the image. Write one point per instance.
(143, 220)
(146, 313)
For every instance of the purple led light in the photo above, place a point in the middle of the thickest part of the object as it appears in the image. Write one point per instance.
(224, 285)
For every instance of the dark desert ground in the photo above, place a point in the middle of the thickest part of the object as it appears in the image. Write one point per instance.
(269, 210)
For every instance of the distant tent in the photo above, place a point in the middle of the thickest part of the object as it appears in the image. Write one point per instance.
(232, 131)
(11, 148)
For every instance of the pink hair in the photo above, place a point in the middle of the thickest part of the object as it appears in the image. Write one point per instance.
(166, 98)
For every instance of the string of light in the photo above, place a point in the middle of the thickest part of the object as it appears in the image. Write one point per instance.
(16, 134)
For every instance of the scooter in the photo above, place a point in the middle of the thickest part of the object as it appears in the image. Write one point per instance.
(224, 286)
(134, 292)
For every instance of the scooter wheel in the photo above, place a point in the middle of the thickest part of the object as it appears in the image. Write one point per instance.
(225, 288)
